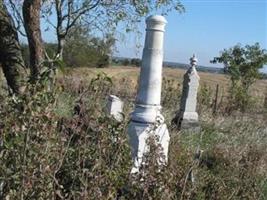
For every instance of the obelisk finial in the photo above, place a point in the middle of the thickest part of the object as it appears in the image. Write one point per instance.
(193, 61)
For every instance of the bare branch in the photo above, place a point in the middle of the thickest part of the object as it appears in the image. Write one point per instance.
(79, 12)
(17, 18)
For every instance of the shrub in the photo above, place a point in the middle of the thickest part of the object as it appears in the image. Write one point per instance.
(238, 99)
(125, 62)
(136, 62)
(204, 97)
(80, 54)
(242, 64)
(82, 50)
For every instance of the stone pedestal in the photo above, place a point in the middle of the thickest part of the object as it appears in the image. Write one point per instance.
(115, 107)
(138, 135)
(146, 118)
(187, 117)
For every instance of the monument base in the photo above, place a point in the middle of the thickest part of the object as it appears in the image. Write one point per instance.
(139, 133)
(188, 121)
(190, 116)
(189, 125)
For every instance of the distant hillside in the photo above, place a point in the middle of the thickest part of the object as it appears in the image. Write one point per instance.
(199, 67)
(216, 70)
(137, 62)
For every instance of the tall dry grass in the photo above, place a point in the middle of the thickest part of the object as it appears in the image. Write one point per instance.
(62, 145)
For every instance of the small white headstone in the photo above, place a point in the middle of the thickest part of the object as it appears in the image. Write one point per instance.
(187, 117)
(115, 107)
(146, 118)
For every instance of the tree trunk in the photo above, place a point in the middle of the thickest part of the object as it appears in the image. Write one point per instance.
(10, 52)
(60, 47)
(31, 16)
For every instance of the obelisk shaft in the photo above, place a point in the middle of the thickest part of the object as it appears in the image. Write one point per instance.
(149, 91)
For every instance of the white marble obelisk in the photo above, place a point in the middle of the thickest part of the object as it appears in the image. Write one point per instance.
(187, 117)
(146, 118)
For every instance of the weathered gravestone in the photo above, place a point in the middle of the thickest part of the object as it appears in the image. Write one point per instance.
(187, 117)
(146, 120)
(115, 107)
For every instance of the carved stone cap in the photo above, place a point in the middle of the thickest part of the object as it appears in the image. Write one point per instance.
(156, 22)
(192, 70)
(193, 61)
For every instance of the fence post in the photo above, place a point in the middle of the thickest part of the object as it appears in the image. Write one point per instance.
(215, 106)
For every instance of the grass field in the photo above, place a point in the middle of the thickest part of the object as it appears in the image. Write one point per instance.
(131, 74)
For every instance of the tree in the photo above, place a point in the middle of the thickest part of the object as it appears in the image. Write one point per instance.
(82, 49)
(27, 13)
(243, 63)
(68, 13)
(101, 15)
(10, 52)
(31, 16)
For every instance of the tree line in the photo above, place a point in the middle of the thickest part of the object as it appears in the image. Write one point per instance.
(81, 50)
